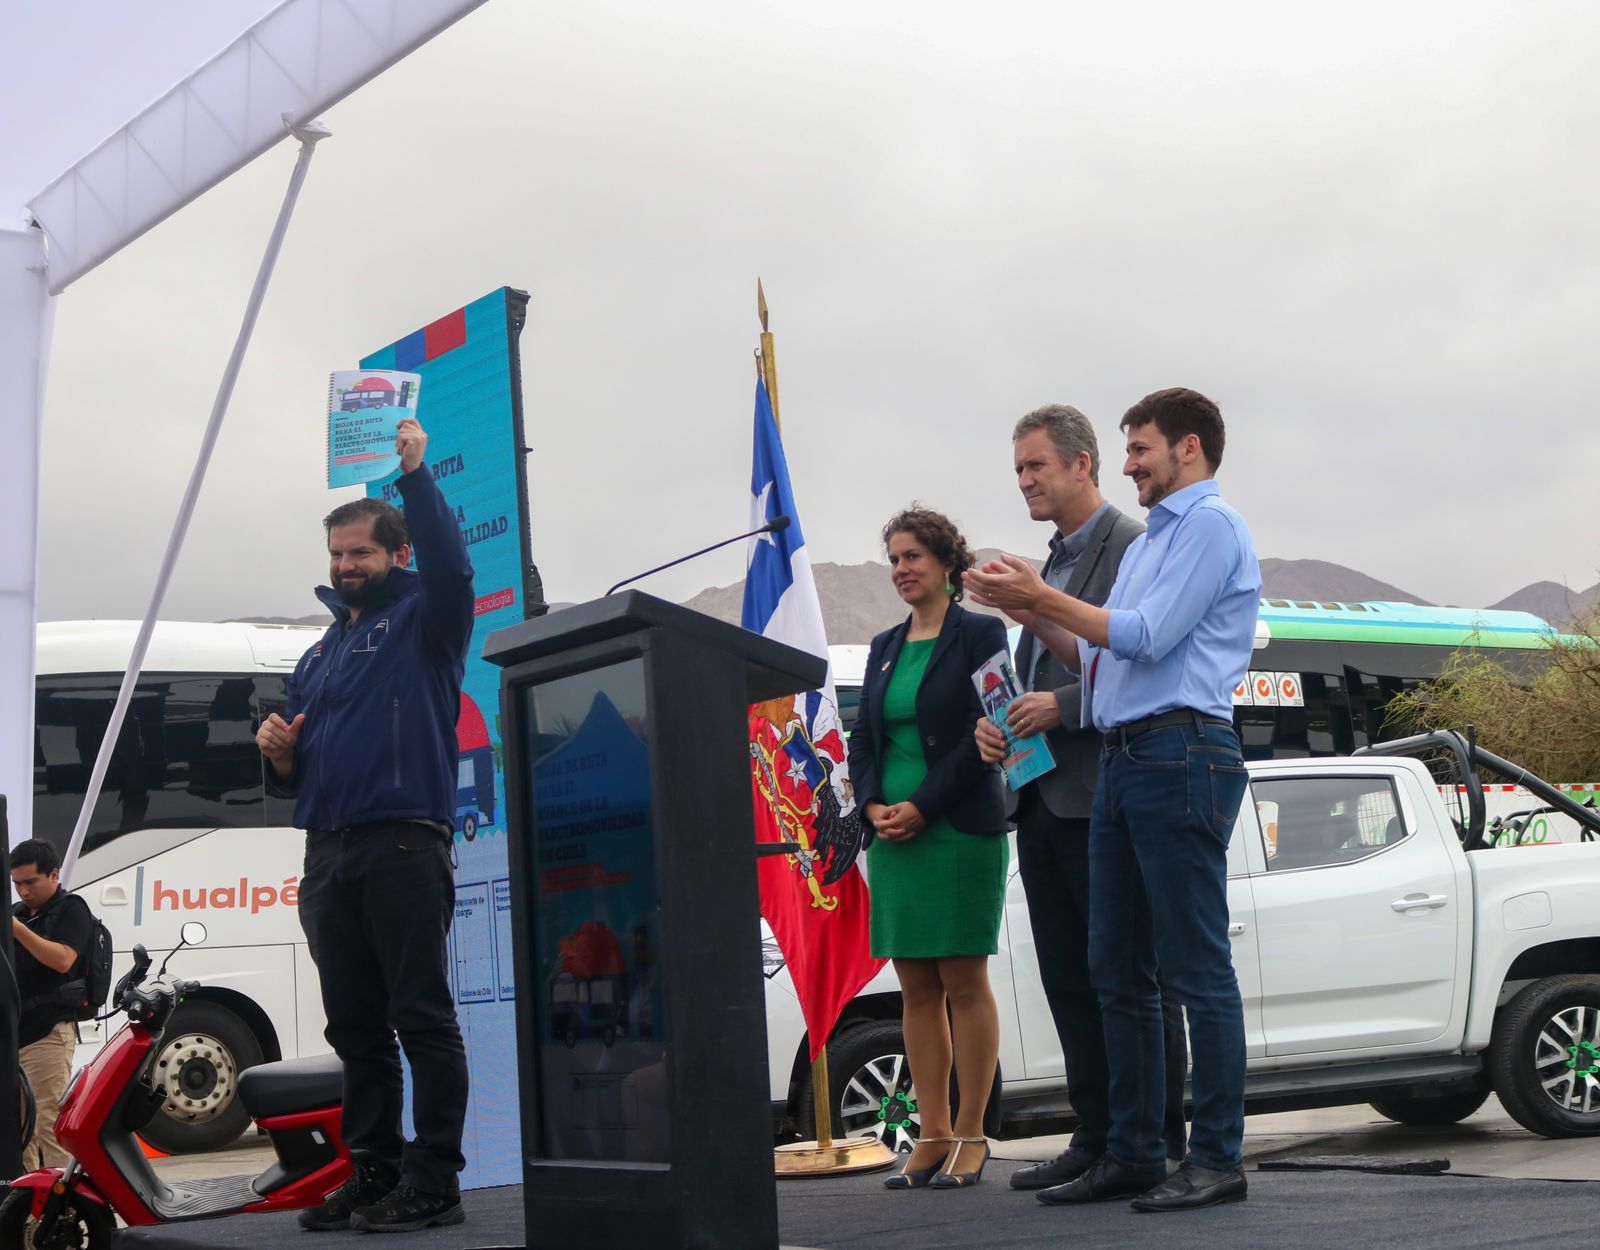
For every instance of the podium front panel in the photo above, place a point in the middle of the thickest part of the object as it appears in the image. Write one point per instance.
(597, 1004)
(642, 1038)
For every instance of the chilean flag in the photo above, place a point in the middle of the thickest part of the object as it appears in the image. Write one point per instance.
(815, 898)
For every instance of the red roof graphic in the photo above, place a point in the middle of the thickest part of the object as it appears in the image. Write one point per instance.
(472, 733)
(592, 951)
(373, 384)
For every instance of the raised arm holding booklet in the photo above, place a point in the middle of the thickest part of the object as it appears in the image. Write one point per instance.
(365, 407)
(1026, 758)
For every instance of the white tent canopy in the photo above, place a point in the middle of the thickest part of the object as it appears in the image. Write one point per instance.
(297, 61)
(300, 59)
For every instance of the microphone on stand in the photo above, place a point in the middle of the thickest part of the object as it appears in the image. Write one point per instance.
(775, 526)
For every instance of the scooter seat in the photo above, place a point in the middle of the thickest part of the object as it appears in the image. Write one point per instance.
(292, 1085)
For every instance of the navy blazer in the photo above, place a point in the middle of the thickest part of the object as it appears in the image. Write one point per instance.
(959, 787)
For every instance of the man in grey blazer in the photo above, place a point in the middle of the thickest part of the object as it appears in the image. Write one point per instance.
(1058, 471)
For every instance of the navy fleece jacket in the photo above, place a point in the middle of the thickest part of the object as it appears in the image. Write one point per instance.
(381, 697)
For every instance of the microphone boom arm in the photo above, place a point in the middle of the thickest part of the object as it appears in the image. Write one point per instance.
(775, 526)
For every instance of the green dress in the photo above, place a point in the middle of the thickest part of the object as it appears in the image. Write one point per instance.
(941, 892)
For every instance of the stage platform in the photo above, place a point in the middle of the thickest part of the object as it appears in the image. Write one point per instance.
(1304, 1210)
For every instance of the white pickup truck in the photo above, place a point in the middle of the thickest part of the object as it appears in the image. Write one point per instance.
(1386, 953)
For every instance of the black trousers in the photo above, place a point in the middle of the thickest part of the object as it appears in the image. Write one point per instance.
(376, 904)
(1053, 855)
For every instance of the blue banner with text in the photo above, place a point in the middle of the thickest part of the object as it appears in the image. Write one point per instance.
(469, 365)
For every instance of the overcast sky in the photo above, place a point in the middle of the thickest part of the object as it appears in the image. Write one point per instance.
(1368, 231)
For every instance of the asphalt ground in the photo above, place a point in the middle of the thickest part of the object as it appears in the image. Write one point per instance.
(1504, 1187)
(1489, 1143)
(1301, 1211)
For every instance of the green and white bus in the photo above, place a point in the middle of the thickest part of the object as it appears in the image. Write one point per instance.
(1323, 674)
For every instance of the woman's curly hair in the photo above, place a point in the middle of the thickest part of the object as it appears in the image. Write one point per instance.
(938, 535)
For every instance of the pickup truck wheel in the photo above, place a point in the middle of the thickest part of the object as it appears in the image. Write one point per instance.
(869, 1083)
(1545, 1058)
(199, 1060)
(1432, 1112)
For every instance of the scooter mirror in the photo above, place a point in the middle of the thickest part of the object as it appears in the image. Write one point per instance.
(193, 933)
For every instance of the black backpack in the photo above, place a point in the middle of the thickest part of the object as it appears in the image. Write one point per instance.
(96, 972)
(86, 993)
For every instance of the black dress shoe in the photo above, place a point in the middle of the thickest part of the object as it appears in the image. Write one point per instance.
(1070, 1164)
(1106, 1179)
(1193, 1186)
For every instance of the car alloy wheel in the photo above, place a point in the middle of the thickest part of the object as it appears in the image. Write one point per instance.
(1567, 1059)
(870, 1085)
(877, 1102)
(1544, 1057)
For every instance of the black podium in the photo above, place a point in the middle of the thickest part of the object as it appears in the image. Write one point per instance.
(641, 1031)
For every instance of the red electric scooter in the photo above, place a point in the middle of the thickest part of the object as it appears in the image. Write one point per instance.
(296, 1102)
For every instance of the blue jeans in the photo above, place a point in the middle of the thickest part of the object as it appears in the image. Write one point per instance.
(1158, 871)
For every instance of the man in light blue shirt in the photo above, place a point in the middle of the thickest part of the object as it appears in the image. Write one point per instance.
(1057, 460)
(1159, 665)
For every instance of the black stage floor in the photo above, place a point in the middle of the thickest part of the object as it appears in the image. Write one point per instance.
(1305, 1211)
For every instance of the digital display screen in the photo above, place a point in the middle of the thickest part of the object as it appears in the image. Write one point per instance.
(469, 363)
(598, 987)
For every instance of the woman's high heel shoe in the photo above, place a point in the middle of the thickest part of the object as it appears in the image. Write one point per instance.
(920, 1179)
(961, 1180)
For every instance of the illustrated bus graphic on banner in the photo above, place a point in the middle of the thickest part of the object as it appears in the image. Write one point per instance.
(589, 992)
(375, 392)
(475, 787)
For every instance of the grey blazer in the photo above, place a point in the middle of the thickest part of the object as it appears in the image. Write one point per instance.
(1068, 788)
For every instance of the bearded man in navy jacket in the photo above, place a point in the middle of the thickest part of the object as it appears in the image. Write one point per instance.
(367, 747)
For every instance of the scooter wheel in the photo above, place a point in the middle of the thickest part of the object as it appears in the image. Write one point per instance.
(83, 1225)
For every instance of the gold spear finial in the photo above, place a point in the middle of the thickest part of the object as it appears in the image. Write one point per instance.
(768, 355)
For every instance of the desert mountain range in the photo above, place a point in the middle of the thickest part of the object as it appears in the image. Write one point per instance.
(858, 601)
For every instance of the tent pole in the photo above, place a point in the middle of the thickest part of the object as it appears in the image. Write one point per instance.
(309, 134)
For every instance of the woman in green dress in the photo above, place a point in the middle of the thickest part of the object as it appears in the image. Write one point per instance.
(937, 863)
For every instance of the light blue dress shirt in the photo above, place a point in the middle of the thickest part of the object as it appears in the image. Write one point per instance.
(1183, 615)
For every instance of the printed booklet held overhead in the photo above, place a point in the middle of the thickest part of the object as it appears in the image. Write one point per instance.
(365, 407)
(997, 685)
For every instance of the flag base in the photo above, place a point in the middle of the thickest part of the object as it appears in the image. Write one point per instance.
(850, 1154)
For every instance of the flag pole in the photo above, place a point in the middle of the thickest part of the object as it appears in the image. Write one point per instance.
(821, 1157)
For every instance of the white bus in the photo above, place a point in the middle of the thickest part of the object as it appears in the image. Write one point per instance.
(184, 829)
